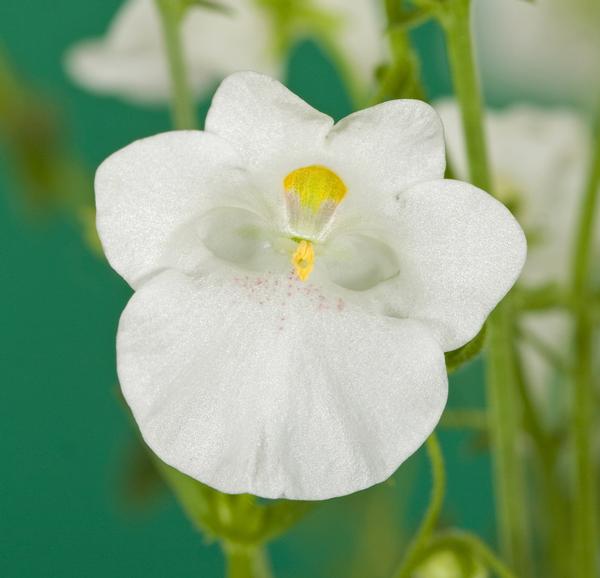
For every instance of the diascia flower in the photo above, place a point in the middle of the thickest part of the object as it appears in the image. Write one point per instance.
(540, 159)
(297, 283)
(130, 60)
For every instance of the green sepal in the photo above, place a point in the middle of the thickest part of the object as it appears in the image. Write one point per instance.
(458, 357)
(234, 519)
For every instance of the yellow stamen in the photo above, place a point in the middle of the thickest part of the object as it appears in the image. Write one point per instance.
(312, 195)
(314, 186)
(304, 260)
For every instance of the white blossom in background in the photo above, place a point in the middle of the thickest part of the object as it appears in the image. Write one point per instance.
(130, 60)
(297, 283)
(539, 159)
(548, 50)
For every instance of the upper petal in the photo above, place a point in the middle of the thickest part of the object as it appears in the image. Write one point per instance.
(147, 191)
(390, 146)
(265, 121)
(459, 253)
(267, 385)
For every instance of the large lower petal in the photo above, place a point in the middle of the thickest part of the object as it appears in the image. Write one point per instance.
(459, 252)
(149, 190)
(266, 122)
(270, 386)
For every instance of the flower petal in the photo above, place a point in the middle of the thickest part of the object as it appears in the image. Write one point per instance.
(459, 252)
(539, 156)
(147, 191)
(129, 60)
(392, 146)
(266, 385)
(265, 121)
(139, 77)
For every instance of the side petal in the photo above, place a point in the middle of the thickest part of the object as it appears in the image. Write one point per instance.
(459, 253)
(269, 386)
(265, 121)
(392, 146)
(147, 191)
(138, 77)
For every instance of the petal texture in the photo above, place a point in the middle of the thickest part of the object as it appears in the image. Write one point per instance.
(269, 386)
(148, 192)
(390, 146)
(459, 252)
(265, 121)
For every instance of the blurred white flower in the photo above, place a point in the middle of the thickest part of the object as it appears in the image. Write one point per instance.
(296, 285)
(539, 159)
(548, 50)
(130, 60)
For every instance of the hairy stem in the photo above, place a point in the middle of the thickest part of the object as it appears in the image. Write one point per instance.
(182, 105)
(421, 540)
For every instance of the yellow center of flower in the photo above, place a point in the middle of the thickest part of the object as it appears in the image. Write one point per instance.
(314, 187)
(312, 195)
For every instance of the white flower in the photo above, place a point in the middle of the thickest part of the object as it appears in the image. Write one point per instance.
(539, 160)
(548, 49)
(296, 285)
(130, 61)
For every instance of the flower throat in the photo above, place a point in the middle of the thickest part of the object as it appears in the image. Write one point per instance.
(312, 195)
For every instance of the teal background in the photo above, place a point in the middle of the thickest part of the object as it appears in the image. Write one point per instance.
(65, 439)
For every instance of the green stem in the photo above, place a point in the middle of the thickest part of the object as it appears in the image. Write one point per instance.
(423, 536)
(554, 506)
(584, 511)
(246, 561)
(511, 501)
(454, 17)
(182, 104)
(401, 78)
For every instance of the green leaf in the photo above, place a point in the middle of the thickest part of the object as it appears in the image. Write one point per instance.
(464, 354)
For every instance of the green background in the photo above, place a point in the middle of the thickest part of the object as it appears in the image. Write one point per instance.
(66, 442)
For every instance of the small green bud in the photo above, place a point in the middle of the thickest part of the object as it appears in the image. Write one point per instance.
(451, 564)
